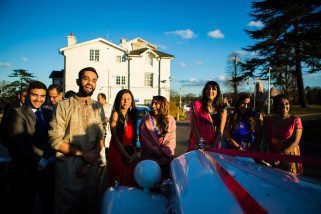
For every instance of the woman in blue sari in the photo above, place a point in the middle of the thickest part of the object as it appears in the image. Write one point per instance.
(243, 127)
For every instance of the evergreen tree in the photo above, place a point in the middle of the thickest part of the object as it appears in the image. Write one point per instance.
(290, 38)
(24, 78)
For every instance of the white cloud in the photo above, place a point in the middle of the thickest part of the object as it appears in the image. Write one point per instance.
(201, 82)
(184, 34)
(255, 24)
(182, 64)
(198, 62)
(246, 53)
(312, 76)
(216, 34)
(163, 47)
(221, 78)
(242, 53)
(5, 64)
(24, 58)
(192, 82)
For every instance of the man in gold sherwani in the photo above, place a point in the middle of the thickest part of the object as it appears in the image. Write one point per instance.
(76, 133)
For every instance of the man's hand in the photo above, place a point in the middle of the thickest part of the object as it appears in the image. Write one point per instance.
(91, 157)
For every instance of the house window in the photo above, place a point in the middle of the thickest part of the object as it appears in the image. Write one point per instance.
(120, 80)
(149, 60)
(94, 55)
(149, 79)
(118, 59)
(97, 55)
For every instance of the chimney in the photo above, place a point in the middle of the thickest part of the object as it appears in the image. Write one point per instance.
(122, 41)
(71, 39)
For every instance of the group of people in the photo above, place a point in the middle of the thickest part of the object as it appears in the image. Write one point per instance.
(245, 129)
(58, 147)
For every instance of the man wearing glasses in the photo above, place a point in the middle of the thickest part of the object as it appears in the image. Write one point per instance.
(54, 95)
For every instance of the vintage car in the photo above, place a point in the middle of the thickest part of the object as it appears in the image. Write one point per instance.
(210, 182)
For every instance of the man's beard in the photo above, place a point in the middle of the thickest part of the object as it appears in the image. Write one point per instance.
(84, 93)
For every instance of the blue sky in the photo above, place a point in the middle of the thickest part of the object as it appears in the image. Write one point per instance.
(200, 34)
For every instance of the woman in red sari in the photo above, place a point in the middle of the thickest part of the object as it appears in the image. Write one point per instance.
(283, 132)
(121, 154)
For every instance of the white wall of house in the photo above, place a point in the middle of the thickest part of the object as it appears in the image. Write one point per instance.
(109, 66)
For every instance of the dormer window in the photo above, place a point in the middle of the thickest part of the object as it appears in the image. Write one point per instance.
(149, 60)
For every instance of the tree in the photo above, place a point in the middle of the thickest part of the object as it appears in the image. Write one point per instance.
(24, 78)
(291, 37)
(234, 70)
(8, 92)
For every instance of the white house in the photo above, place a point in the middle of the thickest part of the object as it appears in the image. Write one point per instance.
(136, 65)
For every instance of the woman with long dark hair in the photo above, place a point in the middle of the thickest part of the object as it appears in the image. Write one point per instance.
(158, 134)
(208, 117)
(283, 133)
(121, 154)
(243, 127)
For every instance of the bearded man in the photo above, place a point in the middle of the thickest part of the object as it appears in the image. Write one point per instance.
(76, 133)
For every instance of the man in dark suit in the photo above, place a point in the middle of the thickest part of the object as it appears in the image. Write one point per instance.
(30, 169)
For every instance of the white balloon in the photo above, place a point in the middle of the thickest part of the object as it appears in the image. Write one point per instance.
(147, 173)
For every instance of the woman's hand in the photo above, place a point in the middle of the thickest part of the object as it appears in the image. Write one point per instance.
(132, 158)
(287, 151)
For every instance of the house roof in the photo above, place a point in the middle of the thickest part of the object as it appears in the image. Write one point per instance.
(138, 39)
(142, 50)
(61, 50)
(57, 74)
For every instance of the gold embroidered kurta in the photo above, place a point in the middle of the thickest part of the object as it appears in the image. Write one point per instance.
(79, 123)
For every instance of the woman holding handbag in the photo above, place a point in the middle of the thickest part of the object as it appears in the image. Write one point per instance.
(208, 118)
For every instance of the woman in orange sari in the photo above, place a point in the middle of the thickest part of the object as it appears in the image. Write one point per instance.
(283, 132)
(121, 154)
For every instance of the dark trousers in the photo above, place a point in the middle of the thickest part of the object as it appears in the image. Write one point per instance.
(24, 182)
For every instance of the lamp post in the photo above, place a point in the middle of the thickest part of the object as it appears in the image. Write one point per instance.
(128, 59)
(269, 88)
(180, 98)
(159, 75)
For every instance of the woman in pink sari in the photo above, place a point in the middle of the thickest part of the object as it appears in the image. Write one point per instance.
(208, 118)
(157, 134)
(283, 132)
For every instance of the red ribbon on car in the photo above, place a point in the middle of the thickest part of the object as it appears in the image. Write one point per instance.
(269, 156)
(247, 203)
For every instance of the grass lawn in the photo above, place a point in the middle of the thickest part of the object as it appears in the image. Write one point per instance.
(313, 109)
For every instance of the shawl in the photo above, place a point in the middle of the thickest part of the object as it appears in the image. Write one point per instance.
(150, 144)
